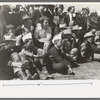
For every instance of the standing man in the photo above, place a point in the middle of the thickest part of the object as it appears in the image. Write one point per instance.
(69, 19)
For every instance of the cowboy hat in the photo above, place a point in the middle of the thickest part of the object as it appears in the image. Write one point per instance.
(56, 37)
(10, 26)
(25, 17)
(9, 38)
(67, 31)
(43, 18)
(76, 27)
(62, 26)
(89, 34)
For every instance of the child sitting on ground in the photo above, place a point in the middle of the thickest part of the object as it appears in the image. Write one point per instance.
(21, 68)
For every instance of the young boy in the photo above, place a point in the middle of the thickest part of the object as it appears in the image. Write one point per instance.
(21, 68)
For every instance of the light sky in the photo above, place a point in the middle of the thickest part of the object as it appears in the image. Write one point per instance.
(79, 6)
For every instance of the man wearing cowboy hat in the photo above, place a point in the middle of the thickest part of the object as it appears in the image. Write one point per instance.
(69, 43)
(10, 33)
(86, 49)
(59, 60)
(25, 29)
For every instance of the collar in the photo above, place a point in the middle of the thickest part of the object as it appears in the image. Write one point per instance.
(56, 47)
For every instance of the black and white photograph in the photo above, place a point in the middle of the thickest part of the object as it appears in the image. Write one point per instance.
(50, 41)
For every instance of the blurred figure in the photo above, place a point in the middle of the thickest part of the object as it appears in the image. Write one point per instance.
(86, 47)
(2, 25)
(23, 29)
(59, 61)
(10, 32)
(69, 44)
(93, 19)
(37, 13)
(43, 33)
(70, 16)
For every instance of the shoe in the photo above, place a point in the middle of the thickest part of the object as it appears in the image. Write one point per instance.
(35, 76)
(71, 73)
(49, 77)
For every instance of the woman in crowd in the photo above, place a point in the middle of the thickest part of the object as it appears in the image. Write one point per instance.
(46, 24)
(43, 32)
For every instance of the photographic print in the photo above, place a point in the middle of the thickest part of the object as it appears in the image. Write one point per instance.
(54, 41)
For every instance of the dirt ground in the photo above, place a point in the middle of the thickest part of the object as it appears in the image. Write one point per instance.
(86, 71)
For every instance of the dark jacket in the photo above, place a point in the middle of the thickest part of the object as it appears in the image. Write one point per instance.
(56, 55)
(36, 16)
(86, 49)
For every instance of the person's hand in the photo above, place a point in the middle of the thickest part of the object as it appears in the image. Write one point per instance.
(35, 56)
(71, 23)
(9, 63)
(32, 28)
(40, 52)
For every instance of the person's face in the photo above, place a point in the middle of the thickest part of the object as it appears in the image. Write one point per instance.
(68, 36)
(72, 10)
(90, 39)
(60, 11)
(11, 31)
(73, 34)
(93, 31)
(30, 9)
(59, 43)
(45, 23)
(66, 44)
(16, 58)
(28, 23)
(42, 8)
(84, 12)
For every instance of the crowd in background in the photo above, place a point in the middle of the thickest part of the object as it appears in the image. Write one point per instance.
(38, 40)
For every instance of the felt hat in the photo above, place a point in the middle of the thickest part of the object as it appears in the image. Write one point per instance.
(56, 37)
(10, 26)
(43, 18)
(89, 34)
(76, 27)
(67, 31)
(26, 37)
(25, 17)
(62, 26)
(9, 38)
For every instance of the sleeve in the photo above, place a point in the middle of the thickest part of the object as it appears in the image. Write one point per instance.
(55, 57)
(83, 48)
(49, 34)
(36, 33)
(28, 53)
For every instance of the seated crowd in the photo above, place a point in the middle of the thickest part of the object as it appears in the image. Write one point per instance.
(48, 41)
